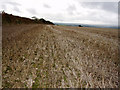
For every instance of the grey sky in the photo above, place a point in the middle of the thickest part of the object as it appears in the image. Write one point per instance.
(32, 11)
(108, 6)
(71, 9)
(67, 11)
(45, 5)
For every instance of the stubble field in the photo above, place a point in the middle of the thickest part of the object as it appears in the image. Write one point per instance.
(50, 56)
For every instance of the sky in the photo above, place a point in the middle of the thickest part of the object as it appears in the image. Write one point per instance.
(97, 12)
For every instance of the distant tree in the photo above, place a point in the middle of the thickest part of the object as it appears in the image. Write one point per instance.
(80, 26)
(42, 20)
(36, 19)
(3, 12)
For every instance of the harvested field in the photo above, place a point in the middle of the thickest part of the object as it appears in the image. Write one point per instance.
(50, 56)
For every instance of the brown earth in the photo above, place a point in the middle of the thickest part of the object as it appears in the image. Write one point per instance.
(47, 56)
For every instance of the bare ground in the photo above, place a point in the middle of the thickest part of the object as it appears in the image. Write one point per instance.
(47, 56)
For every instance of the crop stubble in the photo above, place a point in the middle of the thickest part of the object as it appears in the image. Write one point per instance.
(41, 56)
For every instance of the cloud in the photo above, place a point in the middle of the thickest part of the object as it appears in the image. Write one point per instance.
(108, 6)
(8, 2)
(32, 11)
(13, 3)
(97, 0)
(3, 6)
(16, 9)
(71, 9)
(46, 6)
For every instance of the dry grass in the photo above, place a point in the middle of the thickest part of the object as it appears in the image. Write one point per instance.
(46, 56)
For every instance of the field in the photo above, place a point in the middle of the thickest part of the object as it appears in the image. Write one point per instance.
(50, 56)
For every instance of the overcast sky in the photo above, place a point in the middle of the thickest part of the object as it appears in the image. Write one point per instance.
(65, 11)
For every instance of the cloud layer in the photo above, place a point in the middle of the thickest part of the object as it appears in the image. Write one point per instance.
(72, 11)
